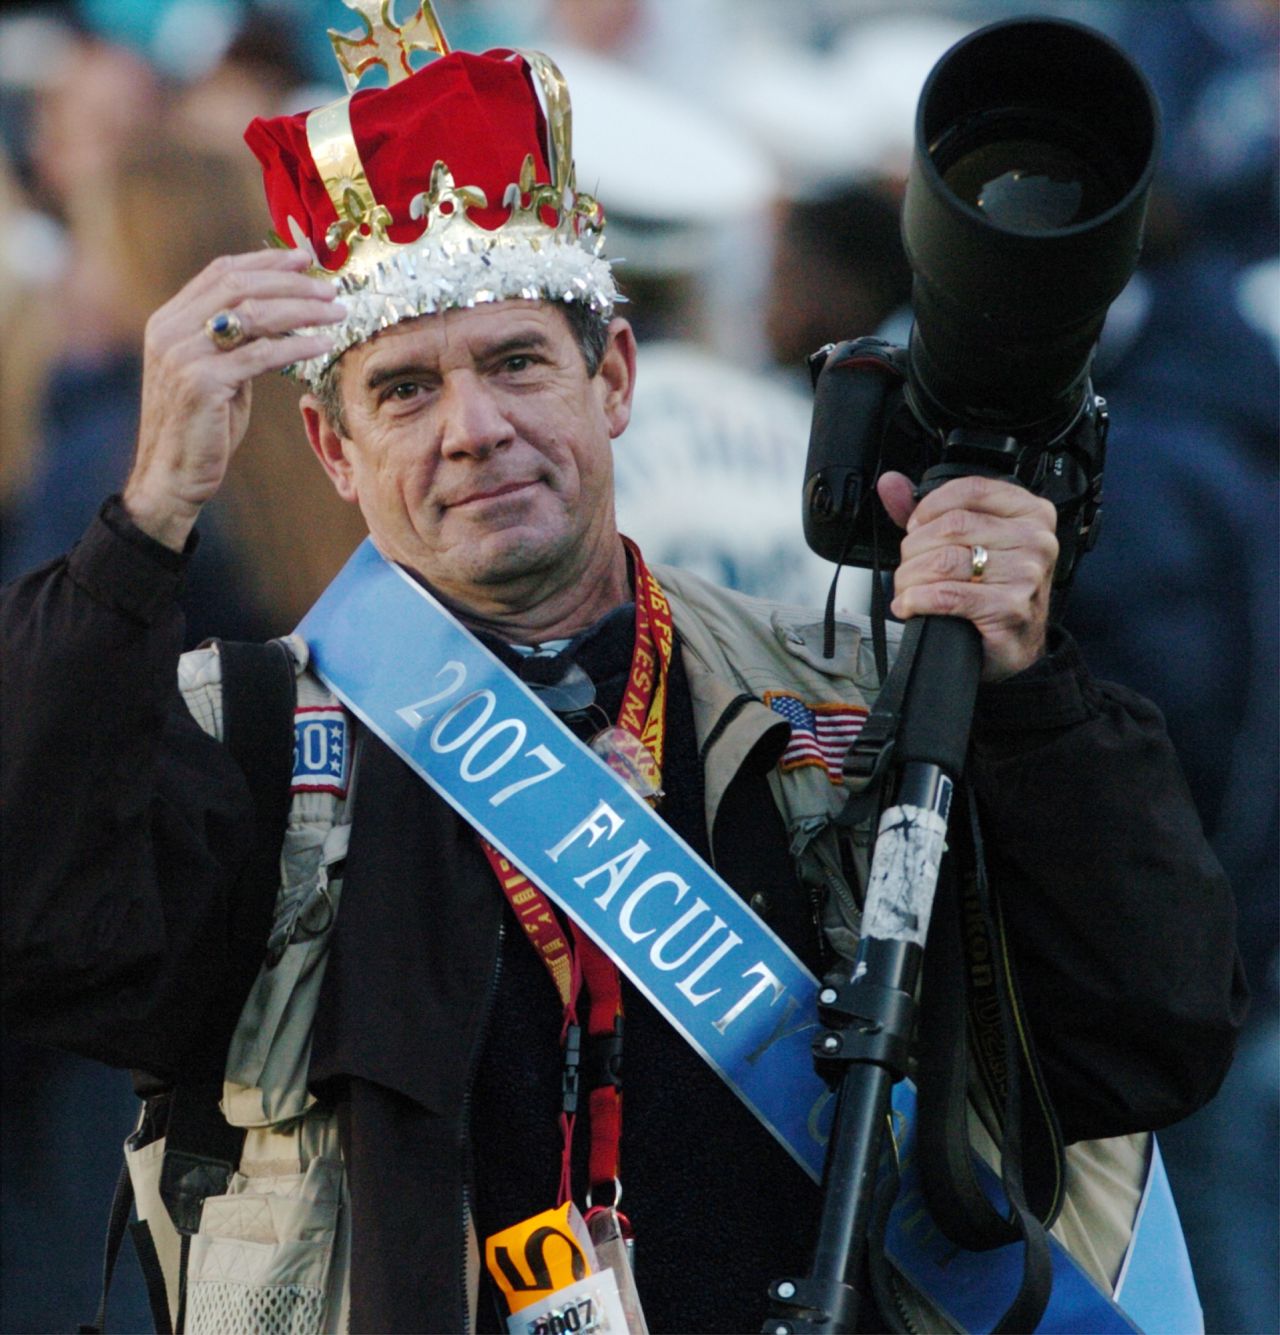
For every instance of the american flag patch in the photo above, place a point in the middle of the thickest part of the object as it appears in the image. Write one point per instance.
(321, 750)
(820, 733)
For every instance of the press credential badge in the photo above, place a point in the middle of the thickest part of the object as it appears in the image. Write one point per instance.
(550, 1276)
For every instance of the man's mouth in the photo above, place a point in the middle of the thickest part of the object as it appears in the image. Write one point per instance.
(487, 494)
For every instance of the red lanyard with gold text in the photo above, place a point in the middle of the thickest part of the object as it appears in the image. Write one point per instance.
(642, 715)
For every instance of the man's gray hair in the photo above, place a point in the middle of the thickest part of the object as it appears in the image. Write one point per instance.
(590, 330)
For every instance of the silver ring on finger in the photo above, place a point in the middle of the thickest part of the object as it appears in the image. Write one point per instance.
(978, 563)
(225, 330)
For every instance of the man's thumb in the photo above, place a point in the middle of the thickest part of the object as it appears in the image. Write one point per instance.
(897, 492)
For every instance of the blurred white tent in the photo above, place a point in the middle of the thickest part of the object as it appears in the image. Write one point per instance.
(709, 471)
(839, 114)
(709, 477)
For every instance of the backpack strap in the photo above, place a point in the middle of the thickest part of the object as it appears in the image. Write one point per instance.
(253, 717)
(121, 1204)
(258, 693)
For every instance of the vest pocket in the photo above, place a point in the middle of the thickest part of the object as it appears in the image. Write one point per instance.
(261, 1259)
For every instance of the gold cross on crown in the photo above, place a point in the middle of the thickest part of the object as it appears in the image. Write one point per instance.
(385, 42)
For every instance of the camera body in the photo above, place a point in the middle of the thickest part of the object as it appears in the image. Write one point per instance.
(863, 425)
(1035, 145)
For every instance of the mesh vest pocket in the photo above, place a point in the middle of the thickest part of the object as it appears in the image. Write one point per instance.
(261, 1259)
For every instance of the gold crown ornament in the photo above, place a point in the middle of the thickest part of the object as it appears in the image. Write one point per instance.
(369, 184)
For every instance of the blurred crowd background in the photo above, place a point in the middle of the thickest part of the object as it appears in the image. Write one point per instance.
(750, 155)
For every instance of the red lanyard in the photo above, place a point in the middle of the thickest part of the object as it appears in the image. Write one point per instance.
(643, 715)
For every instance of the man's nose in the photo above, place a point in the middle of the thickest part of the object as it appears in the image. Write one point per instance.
(472, 422)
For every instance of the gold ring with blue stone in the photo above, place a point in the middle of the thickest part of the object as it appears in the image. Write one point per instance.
(226, 330)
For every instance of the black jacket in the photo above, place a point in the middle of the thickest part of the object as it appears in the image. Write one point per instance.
(131, 933)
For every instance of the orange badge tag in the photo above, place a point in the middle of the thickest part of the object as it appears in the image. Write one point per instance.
(539, 1256)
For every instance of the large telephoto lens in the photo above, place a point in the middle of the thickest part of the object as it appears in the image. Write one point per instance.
(1035, 147)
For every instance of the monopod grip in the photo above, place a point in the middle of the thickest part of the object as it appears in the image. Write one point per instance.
(938, 707)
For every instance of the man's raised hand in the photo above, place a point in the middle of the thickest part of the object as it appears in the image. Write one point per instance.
(195, 394)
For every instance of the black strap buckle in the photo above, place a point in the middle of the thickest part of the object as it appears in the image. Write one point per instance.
(865, 760)
(569, 1083)
(602, 1060)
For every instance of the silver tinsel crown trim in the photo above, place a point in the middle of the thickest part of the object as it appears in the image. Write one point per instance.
(424, 279)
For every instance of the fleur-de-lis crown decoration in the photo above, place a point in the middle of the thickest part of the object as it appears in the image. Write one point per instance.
(452, 185)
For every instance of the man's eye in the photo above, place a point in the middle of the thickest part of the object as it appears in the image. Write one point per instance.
(405, 389)
(519, 362)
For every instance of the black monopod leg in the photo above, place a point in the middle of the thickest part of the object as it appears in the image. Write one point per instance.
(867, 1022)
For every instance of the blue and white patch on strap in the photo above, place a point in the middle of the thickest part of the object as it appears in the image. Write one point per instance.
(321, 750)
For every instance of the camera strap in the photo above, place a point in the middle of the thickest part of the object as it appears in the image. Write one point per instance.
(967, 957)
(866, 761)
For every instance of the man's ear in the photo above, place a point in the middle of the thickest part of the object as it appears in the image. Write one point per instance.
(617, 375)
(330, 447)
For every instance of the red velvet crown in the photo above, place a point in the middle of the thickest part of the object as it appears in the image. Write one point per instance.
(450, 186)
(479, 115)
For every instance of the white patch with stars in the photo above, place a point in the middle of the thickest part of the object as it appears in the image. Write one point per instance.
(904, 873)
(321, 750)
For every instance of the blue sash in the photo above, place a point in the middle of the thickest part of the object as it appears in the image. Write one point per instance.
(1155, 1292)
(733, 990)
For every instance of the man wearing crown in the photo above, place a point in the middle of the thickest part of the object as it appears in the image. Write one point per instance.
(444, 1053)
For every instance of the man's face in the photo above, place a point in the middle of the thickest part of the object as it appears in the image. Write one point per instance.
(478, 447)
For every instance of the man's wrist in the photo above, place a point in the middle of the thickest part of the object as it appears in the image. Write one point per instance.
(161, 517)
(1051, 693)
(122, 567)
